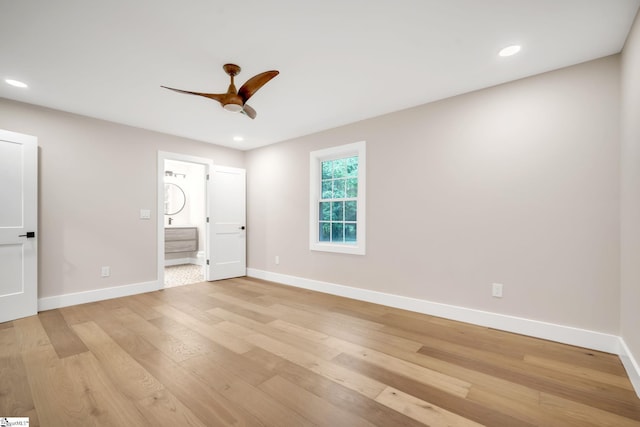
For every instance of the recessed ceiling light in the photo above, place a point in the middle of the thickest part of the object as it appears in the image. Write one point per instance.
(238, 138)
(510, 50)
(16, 83)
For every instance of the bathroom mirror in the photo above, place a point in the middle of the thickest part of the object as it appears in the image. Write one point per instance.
(174, 199)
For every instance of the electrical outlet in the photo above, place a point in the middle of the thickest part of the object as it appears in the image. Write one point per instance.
(496, 290)
(277, 259)
(106, 271)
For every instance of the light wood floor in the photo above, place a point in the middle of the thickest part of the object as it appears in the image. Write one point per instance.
(249, 353)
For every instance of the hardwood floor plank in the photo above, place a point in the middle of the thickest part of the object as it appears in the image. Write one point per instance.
(582, 372)
(205, 329)
(335, 393)
(250, 398)
(131, 342)
(581, 415)
(77, 314)
(334, 372)
(15, 393)
(101, 403)
(528, 411)
(420, 410)
(30, 335)
(428, 376)
(461, 406)
(258, 317)
(55, 395)
(444, 382)
(317, 410)
(173, 347)
(262, 309)
(610, 399)
(149, 395)
(184, 334)
(252, 326)
(134, 381)
(64, 340)
(206, 403)
(6, 325)
(140, 307)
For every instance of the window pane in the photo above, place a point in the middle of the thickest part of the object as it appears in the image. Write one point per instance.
(350, 233)
(325, 211)
(327, 189)
(352, 166)
(327, 168)
(325, 232)
(339, 168)
(352, 187)
(337, 232)
(351, 211)
(337, 213)
(339, 188)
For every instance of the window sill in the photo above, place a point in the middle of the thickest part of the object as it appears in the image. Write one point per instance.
(341, 249)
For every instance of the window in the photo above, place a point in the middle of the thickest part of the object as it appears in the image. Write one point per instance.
(337, 199)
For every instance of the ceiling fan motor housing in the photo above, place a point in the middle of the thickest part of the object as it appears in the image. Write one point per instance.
(233, 107)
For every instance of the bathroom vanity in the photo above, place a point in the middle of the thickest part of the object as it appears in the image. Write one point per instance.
(180, 239)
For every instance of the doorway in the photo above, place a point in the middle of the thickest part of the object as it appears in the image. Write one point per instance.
(183, 237)
(201, 220)
(185, 219)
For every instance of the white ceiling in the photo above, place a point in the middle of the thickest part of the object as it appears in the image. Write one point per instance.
(340, 61)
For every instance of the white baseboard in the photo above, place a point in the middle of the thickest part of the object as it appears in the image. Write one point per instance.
(630, 365)
(59, 301)
(534, 328)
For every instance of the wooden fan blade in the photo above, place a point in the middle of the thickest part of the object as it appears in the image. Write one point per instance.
(216, 96)
(254, 83)
(248, 111)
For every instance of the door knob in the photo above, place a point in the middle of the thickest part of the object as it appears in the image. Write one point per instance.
(29, 235)
(242, 227)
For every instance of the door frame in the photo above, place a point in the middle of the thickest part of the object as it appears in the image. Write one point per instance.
(208, 164)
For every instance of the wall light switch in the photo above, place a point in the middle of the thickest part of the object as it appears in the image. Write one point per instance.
(145, 214)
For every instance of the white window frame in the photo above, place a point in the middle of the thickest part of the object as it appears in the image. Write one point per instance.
(315, 184)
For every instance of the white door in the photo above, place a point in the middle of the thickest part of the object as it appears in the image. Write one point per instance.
(227, 250)
(18, 222)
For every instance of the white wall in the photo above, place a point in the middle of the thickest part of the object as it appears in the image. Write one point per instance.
(95, 176)
(516, 184)
(630, 191)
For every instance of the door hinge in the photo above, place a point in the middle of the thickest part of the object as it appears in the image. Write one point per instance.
(207, 177)
(207, 219)
(207, 262)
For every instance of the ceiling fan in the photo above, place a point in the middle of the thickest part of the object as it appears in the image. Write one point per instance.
(236, 100)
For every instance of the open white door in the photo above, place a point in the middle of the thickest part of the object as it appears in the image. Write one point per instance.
(18, 223)
(227, 215)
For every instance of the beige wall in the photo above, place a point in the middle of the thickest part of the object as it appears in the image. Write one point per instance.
(95, 176)
(516, 184)
(630, 191)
